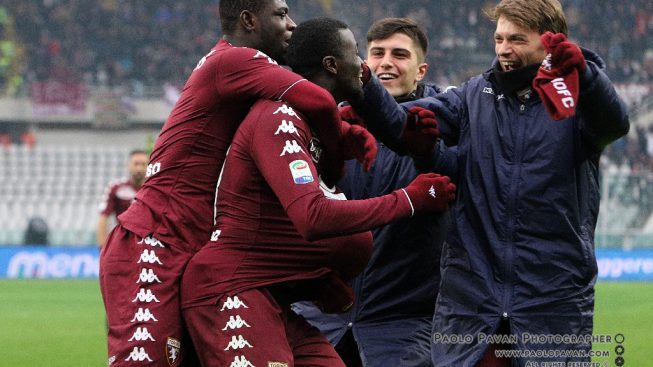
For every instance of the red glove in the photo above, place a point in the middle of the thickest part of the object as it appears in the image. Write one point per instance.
(557, 78)
(348, 114)
(421, 132)
(430, 192)
(565, 55)
(334, 295)
(357, 143)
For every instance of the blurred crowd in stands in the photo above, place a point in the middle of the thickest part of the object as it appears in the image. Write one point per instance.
(147, 46)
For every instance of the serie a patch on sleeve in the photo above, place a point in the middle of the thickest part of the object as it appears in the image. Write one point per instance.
(301, 172)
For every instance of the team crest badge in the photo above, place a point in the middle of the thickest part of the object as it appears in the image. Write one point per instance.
(173, 352)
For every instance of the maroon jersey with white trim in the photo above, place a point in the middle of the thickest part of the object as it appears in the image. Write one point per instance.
(176, 201)
(269, 201)
(117, 197)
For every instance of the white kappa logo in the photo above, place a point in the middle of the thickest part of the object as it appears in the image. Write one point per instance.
(233, 303)
(241, 362)
(238, 343)
(148, 276)
(291, 148)
(286, 127)
(235, 323)
(261, 54)
(148, 256)
(143, 315)
(286, 110)
(432, 192)
(145, 296)
(141, 334)
(139, 355)
(150, 240)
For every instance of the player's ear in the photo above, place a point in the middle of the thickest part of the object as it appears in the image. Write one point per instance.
(330, 65)
(248, 20)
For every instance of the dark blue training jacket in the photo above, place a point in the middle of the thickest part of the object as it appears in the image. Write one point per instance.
(521, 245)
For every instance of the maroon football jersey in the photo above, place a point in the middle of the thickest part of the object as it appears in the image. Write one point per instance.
(117, 197)
(270, 199)
(175, 204)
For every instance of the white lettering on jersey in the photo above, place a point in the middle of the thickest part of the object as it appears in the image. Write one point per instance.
(145, 296)
(152, 241)
(238, 343)
(143, 316)
(291, 148)
(149, 257)
(432, 192)
(147, 276)
(263, 55)
(488, 90)
(111, 360)
(235, 323)
(241, 362)
(203, 60)
(233, 303)
(139, 355)
(287, 111)
(141, 334)
(153, 169)
(287, 127)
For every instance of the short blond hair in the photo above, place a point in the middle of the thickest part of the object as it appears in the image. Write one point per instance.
(540, 15)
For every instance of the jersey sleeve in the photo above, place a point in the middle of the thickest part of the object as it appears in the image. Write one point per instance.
(282, 151)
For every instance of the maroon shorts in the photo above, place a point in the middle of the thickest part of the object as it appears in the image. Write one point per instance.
(139, 280)
(253, 329)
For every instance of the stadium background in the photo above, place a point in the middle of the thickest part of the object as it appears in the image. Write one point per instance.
(84, 82)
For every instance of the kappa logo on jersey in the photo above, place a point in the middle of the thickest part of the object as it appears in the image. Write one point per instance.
(432, 192)
(287, 111)
(215, 235)
(301, 172)
(173, 350)
(150, 240)
(142, 334)
(138, 355)
(287, 127)
(291, 148)
(145, 296)
(149, 257)
(147, 276)
(235, 323)
(233, 303)
(143, 315)
(263, 55)
(238, 343)
(241, 362)
(315, 149)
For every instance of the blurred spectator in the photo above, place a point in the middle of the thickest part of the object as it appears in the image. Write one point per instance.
(37, 232)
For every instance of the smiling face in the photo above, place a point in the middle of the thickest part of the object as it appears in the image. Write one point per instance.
(276, 27)
(398, 63)
(516, 46)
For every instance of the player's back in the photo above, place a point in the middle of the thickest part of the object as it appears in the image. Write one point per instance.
(176, 201)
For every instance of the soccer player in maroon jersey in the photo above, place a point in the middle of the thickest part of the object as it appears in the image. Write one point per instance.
(171, 218)
(120, 193)
(282, 235)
